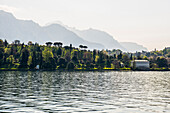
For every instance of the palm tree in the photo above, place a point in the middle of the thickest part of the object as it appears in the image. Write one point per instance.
(85, 47)
(30, 43)
(56, 43)
(81, 46)
(59, 44)
(66, 47)
(49, 44)
(17, 42)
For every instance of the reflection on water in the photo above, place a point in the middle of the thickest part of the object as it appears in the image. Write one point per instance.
(85, 92)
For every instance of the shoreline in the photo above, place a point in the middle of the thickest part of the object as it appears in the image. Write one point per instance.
(99, 70)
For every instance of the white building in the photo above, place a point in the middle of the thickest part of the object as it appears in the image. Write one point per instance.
(140, 64)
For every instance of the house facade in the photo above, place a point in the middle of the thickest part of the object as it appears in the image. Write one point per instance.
(140, 64)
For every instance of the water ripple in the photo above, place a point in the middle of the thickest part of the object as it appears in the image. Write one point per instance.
(42, 92)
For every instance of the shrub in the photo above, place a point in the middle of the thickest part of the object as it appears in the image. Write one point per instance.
(70, 66)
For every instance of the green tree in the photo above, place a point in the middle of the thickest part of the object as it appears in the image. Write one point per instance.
(70, 65)
(87, 65)
(1, 55)
(94, 55)
(48, 60)
(74, 59)
(116, 64)
(87, 57)
(1, 52)
(126, 60)
(49, 44)
(165, 51)
(1, 43)
(5, 43)
(24, 58)
(62, 63)
(34, 60)
(51, 64)
(139, 56)
(67, 57)
(162, 62)
(10, 60)
(145, 58)
(120, 56)
(131, 56)
(108, 63)
(101, 60)
(47, 54)
(59, 51)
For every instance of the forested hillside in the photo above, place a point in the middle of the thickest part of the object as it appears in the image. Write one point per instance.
(54, 56)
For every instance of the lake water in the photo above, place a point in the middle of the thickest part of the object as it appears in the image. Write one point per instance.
(114, 92)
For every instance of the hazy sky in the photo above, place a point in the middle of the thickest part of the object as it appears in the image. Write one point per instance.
(145, 22)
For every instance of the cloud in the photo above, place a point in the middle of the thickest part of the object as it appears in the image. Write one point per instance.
(8, 8)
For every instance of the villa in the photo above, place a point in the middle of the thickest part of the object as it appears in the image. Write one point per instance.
(140, 64)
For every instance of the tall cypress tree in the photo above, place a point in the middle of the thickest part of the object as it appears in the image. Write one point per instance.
(34, 60)
(24, 58)
(5, 43)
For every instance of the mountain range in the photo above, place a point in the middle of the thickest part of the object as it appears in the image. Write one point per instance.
(27, 30)
(133, 47)
(101, 37)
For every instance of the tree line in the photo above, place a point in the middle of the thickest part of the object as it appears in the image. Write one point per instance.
(55, 56)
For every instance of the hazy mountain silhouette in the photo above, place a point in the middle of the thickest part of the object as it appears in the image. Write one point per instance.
(107, 40)
(98, 36)
(133, 47)
(27, 30)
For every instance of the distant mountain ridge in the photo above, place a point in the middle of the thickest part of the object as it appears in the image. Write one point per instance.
(107, 40)
(98, 36)
(27, 30)
(133, 47)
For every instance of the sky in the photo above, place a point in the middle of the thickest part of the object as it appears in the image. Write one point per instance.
(146, 22)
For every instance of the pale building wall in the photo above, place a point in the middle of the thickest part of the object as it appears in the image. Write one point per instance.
(140, 64)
